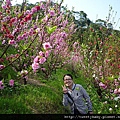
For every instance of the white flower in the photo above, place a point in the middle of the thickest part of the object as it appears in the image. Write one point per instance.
(110, 109)
(93, 75)
(38, 30)
(116, 98)
(24, 72)
(116, 106)
(105, 102)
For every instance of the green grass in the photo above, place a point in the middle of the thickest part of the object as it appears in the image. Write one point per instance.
(9, 105)
(32, 100)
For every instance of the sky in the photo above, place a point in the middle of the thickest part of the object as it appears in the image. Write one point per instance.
(95, 9)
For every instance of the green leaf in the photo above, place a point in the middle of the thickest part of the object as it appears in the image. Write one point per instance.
(51, 29)
(25, 47)
(83, 46)
(9, 76)
(110, 78)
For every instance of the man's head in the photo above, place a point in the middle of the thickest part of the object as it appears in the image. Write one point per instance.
(68, 80)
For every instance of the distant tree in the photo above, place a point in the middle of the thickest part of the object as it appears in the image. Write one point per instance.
(81, 19)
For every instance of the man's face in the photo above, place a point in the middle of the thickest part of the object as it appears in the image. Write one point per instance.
(68, 81)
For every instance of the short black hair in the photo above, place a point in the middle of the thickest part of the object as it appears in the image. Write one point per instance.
(68, 75)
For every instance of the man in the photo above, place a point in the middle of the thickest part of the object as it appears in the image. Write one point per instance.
(75, 96)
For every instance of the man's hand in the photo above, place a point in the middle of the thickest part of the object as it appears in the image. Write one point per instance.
(65, 90)
(90, 112)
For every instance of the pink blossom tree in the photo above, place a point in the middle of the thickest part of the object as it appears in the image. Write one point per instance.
(40, 36)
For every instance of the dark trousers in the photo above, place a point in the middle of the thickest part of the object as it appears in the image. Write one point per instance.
(76, 112)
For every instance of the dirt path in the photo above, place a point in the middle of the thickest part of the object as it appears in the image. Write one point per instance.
(35, 82)
(38, 83)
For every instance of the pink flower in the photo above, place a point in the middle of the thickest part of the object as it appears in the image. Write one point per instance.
(42, 60)
(31, 31)
(45, 19)
(27, 17)
(1, 85)
(41, 53)
(47, 53)
(118, 66)
(11, 42)
(37, 7)
(115, 91)
(4, 6)
(12, 20)
(51, 12)
(107, 61)
(33, 10)
(19, 38)
(75, 44)
(25, 35)
(47, 46)
(63, 34)
(43, 69)
(3, 42)
(119, 91)
(116, 83)
(100, 73)
(1, 67)
(35, 66)
(11, 82)
(102, 85)
(8, 2)
(42, 6)
(27, 12)
(65, 23)
(36, 60)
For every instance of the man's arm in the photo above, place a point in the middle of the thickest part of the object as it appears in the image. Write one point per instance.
(65, 99)
(88, 101)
